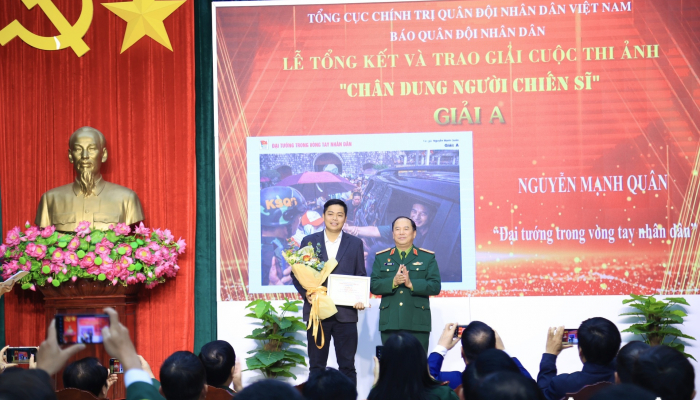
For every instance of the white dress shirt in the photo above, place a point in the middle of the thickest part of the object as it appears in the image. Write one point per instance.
(332, 246)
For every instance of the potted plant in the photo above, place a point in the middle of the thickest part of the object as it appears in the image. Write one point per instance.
(657, 318)
(273, 356)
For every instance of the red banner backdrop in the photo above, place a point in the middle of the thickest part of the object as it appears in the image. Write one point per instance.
(143, 101)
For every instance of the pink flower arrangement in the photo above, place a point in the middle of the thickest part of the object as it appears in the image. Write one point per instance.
(73, 244)
(48, 231)
(83, 228)
(13, 236)
(116, 255)
(37, 251)
(122, 229)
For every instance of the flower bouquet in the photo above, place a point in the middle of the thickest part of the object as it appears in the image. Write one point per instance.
(311, 272)
(114, 255)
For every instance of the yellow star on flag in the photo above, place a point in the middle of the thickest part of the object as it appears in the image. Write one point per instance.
(144, 18)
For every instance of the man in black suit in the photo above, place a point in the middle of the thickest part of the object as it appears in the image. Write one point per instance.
(342, 327)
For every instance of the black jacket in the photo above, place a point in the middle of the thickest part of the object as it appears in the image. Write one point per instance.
(351, 261)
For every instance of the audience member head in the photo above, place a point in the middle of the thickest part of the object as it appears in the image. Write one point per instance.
(598, 341)
(182, 377)
(269, 389)
(329, 384)
(488, 362)
(476, 338)
(86, 374)
(22, 384)
(506, 385)
(626, 358)
(403, 370)
(624, 391)
(665, 372)
(219, 361)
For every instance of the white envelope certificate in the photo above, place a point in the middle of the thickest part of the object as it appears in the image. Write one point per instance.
(348, 290)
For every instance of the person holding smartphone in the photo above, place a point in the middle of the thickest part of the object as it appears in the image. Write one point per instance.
(405, 276)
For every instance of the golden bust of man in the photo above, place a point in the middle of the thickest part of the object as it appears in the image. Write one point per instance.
(90, 197)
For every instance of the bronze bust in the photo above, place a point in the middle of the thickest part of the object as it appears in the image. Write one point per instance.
(89, 197)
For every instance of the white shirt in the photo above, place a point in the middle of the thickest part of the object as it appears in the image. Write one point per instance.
(332, 246)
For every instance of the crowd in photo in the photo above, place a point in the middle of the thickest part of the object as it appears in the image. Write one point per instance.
(609, 370)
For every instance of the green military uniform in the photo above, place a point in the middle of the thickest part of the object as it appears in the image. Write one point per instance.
(403, 309)
(143, 391)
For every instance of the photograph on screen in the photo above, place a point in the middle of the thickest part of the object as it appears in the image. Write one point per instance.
(378, 186)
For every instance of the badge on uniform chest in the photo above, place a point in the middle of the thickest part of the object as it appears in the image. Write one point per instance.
(389, 263)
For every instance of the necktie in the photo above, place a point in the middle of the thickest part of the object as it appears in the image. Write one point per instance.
(403, 255)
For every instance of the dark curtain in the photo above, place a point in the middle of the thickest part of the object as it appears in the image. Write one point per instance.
(205, 252)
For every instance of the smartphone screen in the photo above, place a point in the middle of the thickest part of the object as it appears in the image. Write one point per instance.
(80, 328)
(20, 355)
(379, 352)
(570, 336)
(459, 330)
(115, 366)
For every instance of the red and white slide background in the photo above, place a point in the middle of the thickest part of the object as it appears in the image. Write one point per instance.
(637, 123)
(640, 115)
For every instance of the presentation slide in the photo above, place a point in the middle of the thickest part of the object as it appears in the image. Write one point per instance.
(426, 176)
(542, 148)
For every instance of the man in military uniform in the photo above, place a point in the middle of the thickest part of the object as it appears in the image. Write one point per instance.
(405, 276)
(281, 209)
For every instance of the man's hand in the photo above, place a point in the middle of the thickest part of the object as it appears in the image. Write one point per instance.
(554, 341)
(448, 339)
(275, 278)
(408, 279)
(359, 306)
(111, 380)
(499, 342)
(118, 343)
(238, 376)
(50, 355)
(6, 287)
(32, 362)
(399, 278)
(3, 360)
(146, 367)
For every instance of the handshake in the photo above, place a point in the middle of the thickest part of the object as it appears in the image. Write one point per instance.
(402, 278)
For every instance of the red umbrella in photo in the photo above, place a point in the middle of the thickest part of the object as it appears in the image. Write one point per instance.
(315, 184)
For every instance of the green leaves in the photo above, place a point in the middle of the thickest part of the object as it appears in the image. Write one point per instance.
(268, 358)
(101, 277)
(678, 300)
(291, 306)
(111, 236)
(275, 335)
(261, 308)
(96, 236)
(46, 269)
(656, 318)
